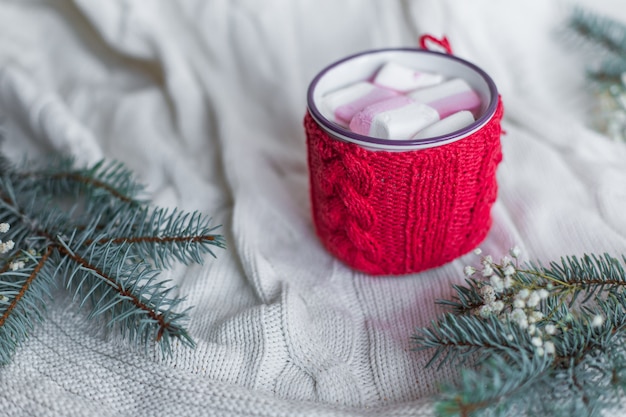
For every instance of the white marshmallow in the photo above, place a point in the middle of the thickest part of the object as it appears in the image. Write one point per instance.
(400, 78)
(397, 118)
(450, 124)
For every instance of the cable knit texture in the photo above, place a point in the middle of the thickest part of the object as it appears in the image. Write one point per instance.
(391, 213)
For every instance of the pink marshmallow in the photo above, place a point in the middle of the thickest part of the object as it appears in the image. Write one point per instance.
(449, 97)
(396, 118)
(400, 78)
(342, 104)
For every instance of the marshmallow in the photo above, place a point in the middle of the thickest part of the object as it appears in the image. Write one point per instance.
(449, 97)
(450, 124)
(400, 78)
(342, 104)
(396, 118)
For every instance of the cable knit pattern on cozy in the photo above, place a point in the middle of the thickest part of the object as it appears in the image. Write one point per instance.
(400, 212)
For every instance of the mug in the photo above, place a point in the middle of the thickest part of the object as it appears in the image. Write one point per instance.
(393, 207)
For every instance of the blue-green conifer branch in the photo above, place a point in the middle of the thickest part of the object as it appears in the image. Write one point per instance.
(536, 340)
(608, 37)
(603, 41)
(88, 231)
(23, 296)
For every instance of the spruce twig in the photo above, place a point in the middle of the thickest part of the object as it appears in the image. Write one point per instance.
(87, 231)
(607, 68)
(545, 340)
(606, 34)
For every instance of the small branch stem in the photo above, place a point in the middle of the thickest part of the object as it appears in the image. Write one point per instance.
(25, 286)
(83, 180)
(600, 39)
(95, 183)
(466, 409)
(545, 276)
(163, 325)
(155, 239)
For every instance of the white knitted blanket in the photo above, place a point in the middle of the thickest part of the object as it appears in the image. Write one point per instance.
(204, 100)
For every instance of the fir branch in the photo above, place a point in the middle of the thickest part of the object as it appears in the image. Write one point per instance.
(454, 336)
(24, 287)
(23, 296)
(574, 276)
(605, 39)
(85, 229)
(543, 339)
(164, 236)
(467, 299)
(602, 31)
(609, 71)
(528, 384)
(124, 289)
(105, 180)
(499, 380)
(92, 182)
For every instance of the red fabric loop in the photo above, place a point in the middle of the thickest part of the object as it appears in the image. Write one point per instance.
(443, 42)
(395, 213)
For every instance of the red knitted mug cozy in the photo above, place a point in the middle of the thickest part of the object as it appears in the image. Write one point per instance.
(395, 213)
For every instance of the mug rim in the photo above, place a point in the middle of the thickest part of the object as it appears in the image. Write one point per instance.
(391, 144)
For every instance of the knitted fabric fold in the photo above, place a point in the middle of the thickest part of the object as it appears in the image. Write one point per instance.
(393, 213)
